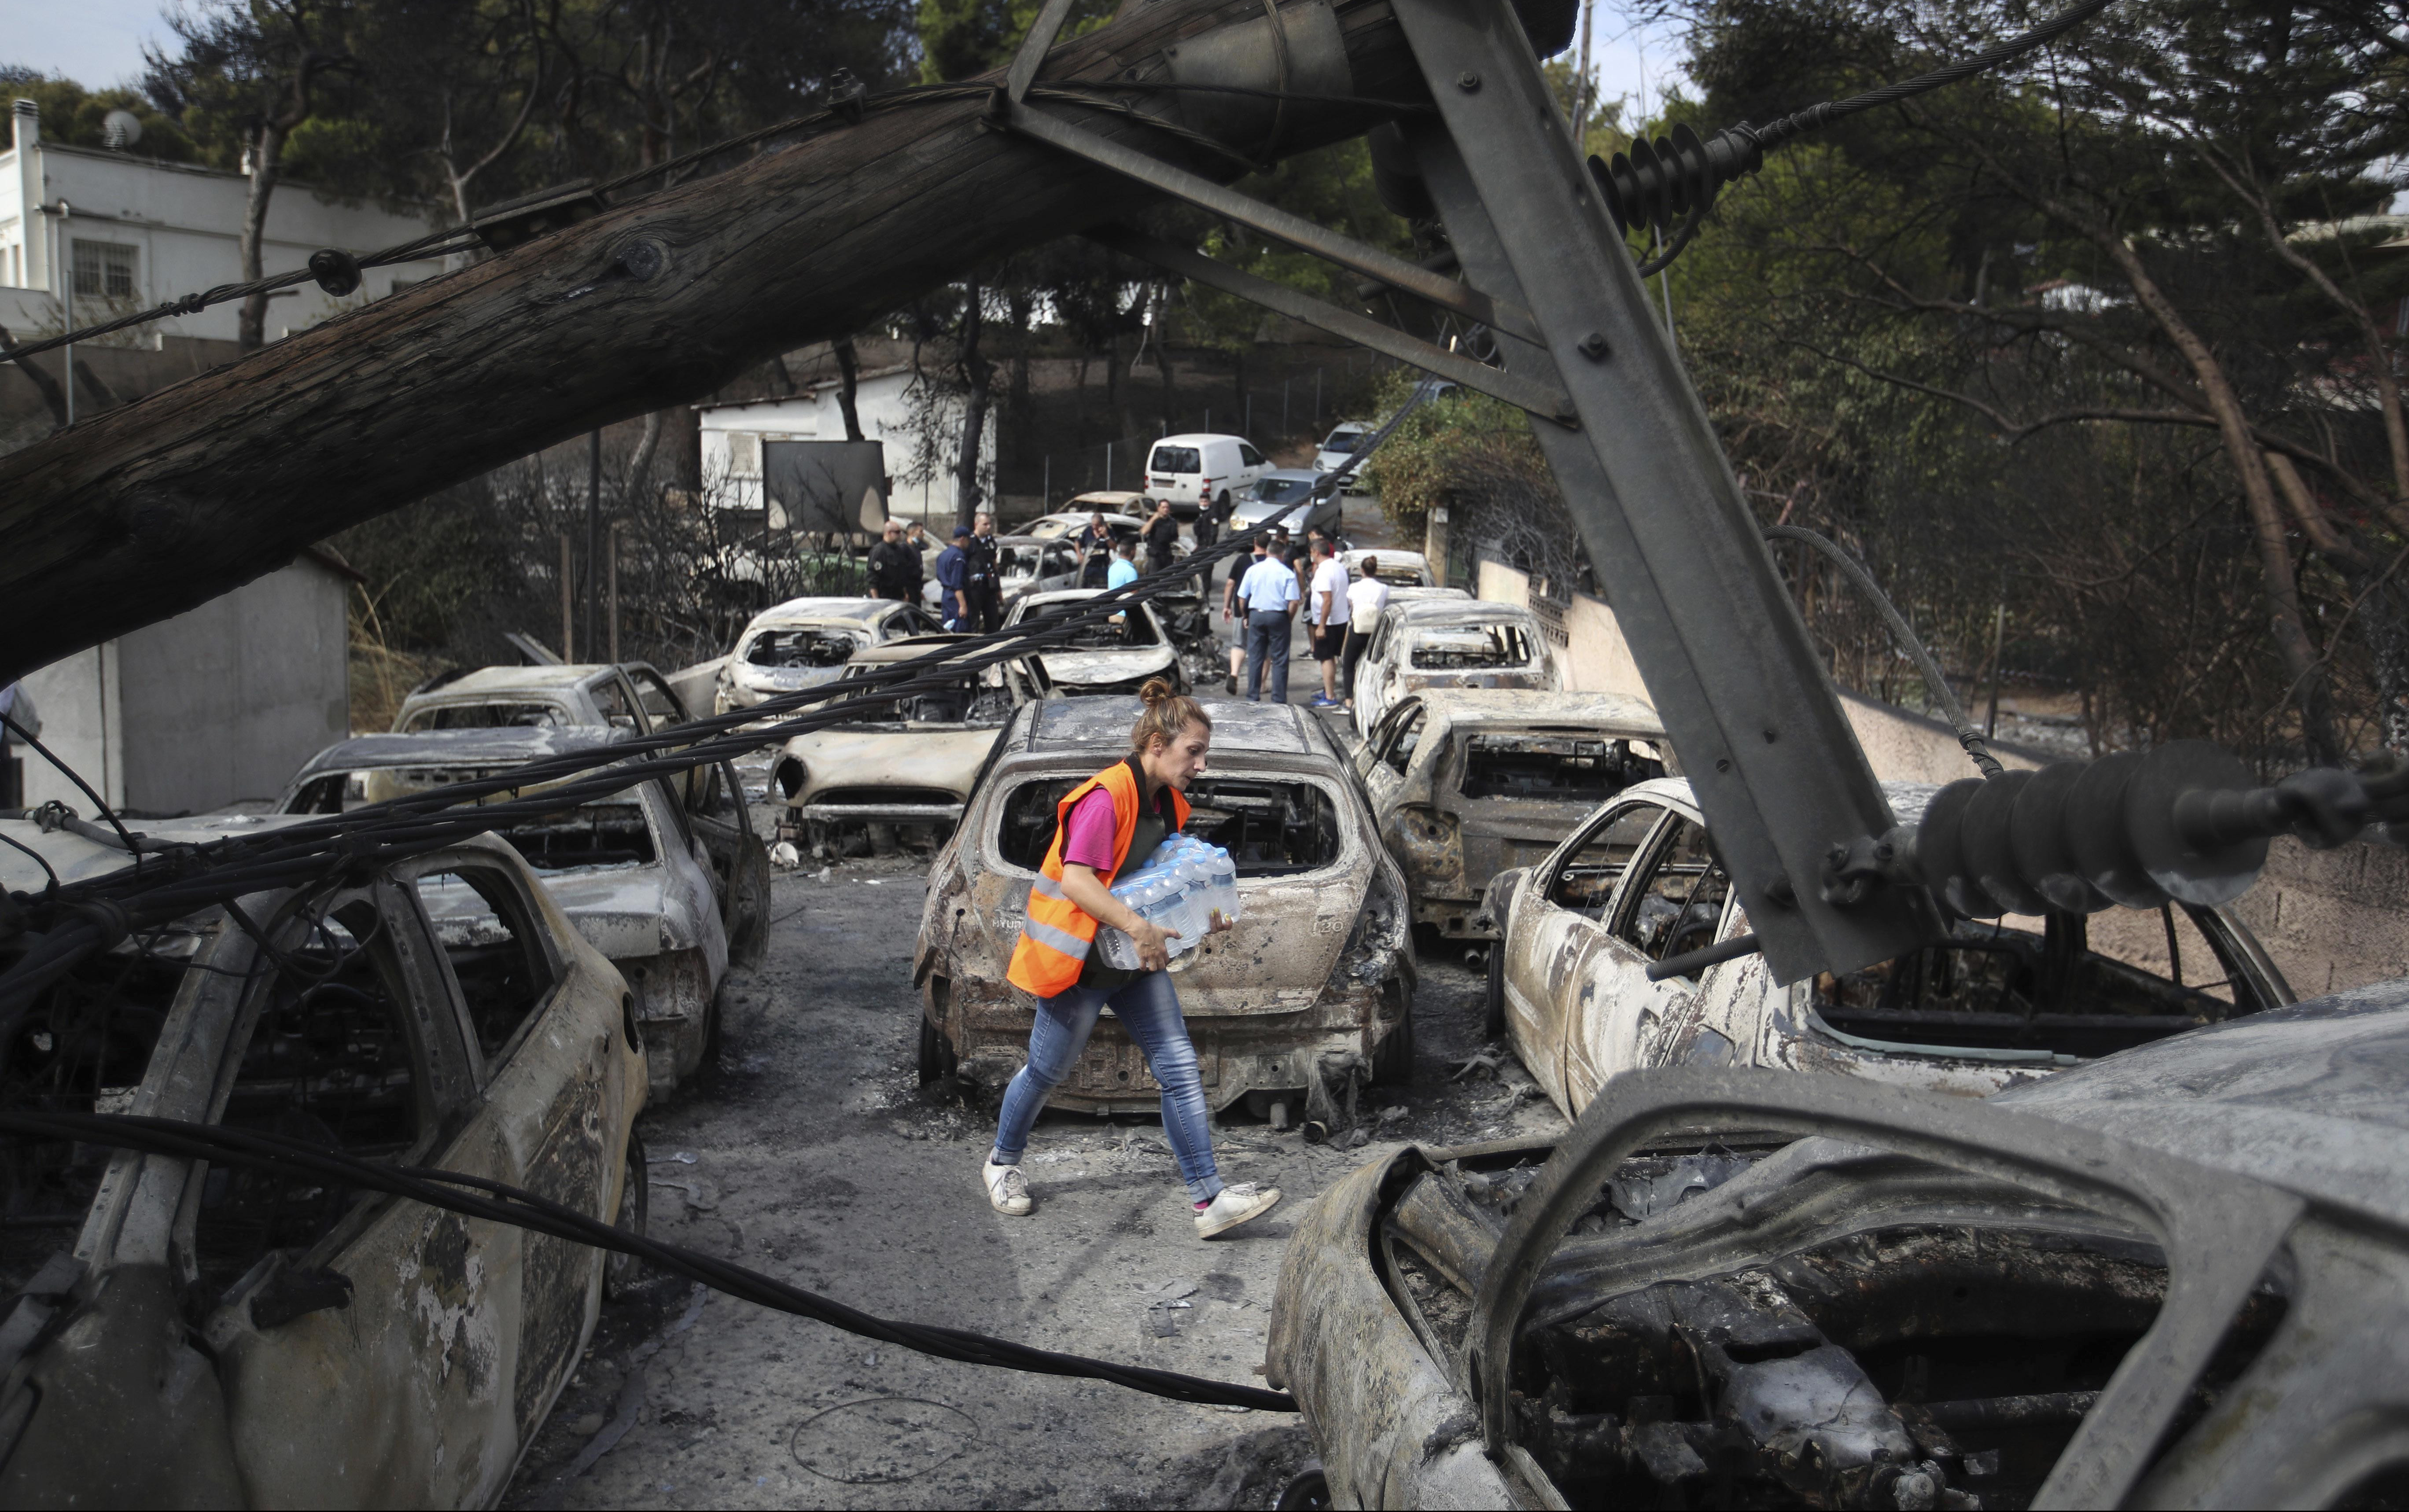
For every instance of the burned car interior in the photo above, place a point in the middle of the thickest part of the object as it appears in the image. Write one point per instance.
(972, 699)
(809, 646)
(497, 715)
(1571, 767)
(1121, 632)
(1471, 648)
(1759, 1290)
(1270, 828)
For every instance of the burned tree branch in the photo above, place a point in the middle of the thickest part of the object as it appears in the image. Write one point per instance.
(161, 504)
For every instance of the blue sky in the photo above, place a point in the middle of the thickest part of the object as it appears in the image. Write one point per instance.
(94, 42)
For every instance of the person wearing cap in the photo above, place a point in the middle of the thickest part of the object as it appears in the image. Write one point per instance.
(953, 581)
(983, 583)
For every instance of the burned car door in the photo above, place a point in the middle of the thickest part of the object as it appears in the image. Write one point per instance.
(1670, 903)
(1555, 933)
(714, 809)
(363, 1342)
(1383, 760)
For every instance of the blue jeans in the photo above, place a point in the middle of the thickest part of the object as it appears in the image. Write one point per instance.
(1267, 640)
(1148, 1008)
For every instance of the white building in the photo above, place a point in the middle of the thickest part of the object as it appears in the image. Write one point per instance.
(732, 433)
(130, 232)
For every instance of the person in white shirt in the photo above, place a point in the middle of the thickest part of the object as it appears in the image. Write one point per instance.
(1366, 598)
(1269, 591)
(1328, 615)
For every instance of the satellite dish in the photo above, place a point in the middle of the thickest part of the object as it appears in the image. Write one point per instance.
(120, 129)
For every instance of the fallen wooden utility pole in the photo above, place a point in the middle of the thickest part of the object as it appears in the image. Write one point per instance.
(158, 506)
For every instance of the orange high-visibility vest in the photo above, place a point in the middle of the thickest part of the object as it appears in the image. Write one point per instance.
(1055, 940)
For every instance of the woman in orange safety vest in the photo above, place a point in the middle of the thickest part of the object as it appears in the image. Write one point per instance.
(1118, 816)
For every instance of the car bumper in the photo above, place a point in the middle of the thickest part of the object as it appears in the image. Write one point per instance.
(879, 812)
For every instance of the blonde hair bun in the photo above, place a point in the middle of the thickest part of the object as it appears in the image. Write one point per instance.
(1168, 713)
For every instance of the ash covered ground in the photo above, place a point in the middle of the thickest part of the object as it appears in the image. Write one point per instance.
(810, 1152)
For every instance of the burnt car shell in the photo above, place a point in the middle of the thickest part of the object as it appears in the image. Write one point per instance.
(1313, 987)
(1637, 884)
(1466, 782)
(2176, 1277)
(181, 1335)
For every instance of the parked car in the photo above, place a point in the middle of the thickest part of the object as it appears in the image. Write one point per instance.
(186, 1334)
(806, 641)
(1340, 444)
(1466, 782)
(1275, 491)
(1398, 569)
(909, 764)
(667, 878)
(1640, 882)
(1438, 642)
(1191, 470)
(1315, 985)
(2173, 1277)
(629, 695)
(1113, 655)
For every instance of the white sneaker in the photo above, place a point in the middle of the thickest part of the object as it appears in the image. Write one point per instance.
(1007, 1189)
(1233, 1206)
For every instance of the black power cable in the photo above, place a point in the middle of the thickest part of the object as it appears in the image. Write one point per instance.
(480, 1197)
(1658, 183)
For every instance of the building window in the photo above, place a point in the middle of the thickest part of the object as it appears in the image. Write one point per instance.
(105, 269)
(744, 453)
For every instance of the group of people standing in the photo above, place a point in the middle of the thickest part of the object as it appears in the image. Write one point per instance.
(970, 590)
(1272, 586)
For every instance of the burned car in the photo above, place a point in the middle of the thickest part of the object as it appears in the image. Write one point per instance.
(1311, 993)
(2174, 1277)
(904, 766)
(1640, 884)
(222, 1335)
(666, 878)
(1436, 643)
(1110, 655)
(1397, 569)
(631, 695)
(806, 641)
(1466, 782)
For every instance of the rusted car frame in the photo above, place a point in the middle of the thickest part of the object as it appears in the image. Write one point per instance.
(2175, 1278)
(1639, 883)
(1114, 657)
(1311, 993)
(905, 766)
(806, 641)
(178, 1335)
(667, 878)
(1426, 639)
(1466, 782)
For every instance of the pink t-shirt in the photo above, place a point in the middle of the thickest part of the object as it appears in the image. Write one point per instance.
(1089, 838)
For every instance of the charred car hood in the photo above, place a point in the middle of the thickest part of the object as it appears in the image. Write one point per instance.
(1083, 667)
(891, 756)
(625, 911)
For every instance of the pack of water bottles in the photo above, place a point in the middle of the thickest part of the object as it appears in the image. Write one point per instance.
(1185, 885)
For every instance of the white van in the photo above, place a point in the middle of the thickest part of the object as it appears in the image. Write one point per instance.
(1190, 470)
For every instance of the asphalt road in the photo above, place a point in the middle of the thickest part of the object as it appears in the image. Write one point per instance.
(809, 1152)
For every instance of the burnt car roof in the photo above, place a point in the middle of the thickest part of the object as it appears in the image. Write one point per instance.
(445, 747)
(1420, 614)
(1527, 706)
(1092, 724)
(2313, 1098)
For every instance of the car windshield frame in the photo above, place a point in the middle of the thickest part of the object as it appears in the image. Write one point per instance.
(997, 788)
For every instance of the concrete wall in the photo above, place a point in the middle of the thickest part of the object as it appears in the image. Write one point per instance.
(220, 704)
(2332, 919)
